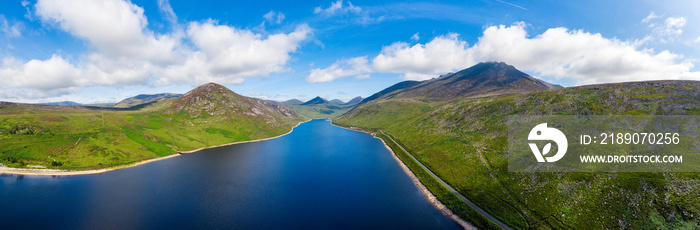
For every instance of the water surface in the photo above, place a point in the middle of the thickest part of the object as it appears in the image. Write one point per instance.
(318, 176)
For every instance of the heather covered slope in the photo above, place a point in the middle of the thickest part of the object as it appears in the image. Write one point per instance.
(463, 140)
(89, 137)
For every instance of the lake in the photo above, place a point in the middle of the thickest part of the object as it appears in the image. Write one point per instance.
(318, 177)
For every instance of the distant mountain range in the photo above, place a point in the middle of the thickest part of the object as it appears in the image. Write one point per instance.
(287, 102)
(64, 103)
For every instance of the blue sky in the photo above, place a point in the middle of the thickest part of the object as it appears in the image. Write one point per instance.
(104, 51)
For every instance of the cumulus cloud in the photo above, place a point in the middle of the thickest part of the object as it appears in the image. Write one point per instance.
(274, 17)
(560, 53)
(343, 68)
(337, 7)
(123, 51)
(442, 53)
(229, 55)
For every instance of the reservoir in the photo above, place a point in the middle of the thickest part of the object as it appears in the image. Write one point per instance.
(317, 177)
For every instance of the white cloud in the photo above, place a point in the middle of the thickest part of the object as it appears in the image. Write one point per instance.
(337, 7)
(664, 30)
(348, 13)
(40, 78)
(580, 56)
(123, 51)
(167, 11)
(113, 27)
(274, 17)
(343, 68)
(10, 29)
(415, 37)
(228, 55)
(650, 17)
(442, 53)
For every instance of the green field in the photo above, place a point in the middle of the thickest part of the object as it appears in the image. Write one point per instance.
(77, 138)
(464, 142)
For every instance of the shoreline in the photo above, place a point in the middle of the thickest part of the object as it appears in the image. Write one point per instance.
(429, 195)
(241, 142)
(60, 172)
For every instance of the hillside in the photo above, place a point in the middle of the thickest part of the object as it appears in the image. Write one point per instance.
(336, 102)
(143, 99)
(481, 80)
(287, 102)
(79, 138)
(462, 138)
(354, 101)
(319, 108)
(316, 101)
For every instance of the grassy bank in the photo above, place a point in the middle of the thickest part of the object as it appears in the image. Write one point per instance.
(76, 138)
(464, 142)
(449, 199)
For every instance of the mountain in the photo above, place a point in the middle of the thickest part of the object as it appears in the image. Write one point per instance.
(353, 101)
(287, 102)
(336, 102)
(456, 125)
(65, 103)
(89, 137)
(316, 101)
(103, 105)
(398, 87)
(217, 100)
(481, 80)
(144, 98)
(319, 108)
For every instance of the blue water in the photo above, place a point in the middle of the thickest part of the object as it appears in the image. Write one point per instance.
(317, 177)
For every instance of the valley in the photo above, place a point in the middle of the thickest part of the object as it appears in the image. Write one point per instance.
(455, 125)
(460, 134)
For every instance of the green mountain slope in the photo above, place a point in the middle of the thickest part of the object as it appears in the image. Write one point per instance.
(319, 108)
(287, 102)
(462, 138)
(354, 101)
(144, 98)
(89, 137)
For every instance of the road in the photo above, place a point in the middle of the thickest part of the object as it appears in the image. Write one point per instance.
(477, 208)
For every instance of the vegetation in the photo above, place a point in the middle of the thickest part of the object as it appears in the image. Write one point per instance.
(144, 98)
(463, 140)
(80, 138)
(449, 199)
(320, 111)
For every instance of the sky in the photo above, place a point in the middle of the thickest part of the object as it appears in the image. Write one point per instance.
(104, 51)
